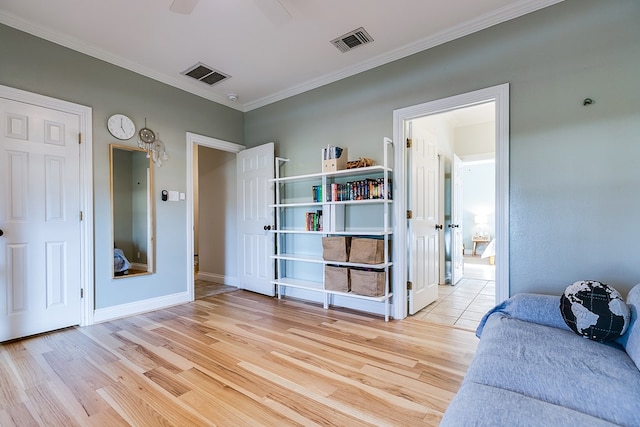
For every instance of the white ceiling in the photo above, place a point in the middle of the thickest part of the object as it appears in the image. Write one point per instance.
(272, 49)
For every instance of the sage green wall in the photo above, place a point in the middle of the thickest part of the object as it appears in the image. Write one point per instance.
(573, 211)
(574, 178)
(35, 65)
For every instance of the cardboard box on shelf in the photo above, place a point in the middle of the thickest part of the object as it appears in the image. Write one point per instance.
(365, 250)
(336, 248)
(334, 163)
(336, 278)
(369, 283)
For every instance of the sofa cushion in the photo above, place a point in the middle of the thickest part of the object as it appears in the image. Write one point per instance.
(594, 310)
(631, 339)
(482, 405)
(558, 367)
(535, 308)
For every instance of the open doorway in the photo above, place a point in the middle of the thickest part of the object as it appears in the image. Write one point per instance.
(465, 142)
(211, 182)
(214, 225)
(403, 123)
(478, 206)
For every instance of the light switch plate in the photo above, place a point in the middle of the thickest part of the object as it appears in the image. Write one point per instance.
(173, 196)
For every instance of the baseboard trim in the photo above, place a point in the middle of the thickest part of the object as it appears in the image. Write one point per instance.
(138, 307)
(217, 278)
(139, 266)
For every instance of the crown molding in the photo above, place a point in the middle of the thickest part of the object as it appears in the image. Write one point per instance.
(90, 50)
(479, 23)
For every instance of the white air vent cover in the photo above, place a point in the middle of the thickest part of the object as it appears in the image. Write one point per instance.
(352, 40)
(205, 74)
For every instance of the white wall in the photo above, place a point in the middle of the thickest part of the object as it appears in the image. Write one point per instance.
(473, 142)
(479, 197)
(475, 145)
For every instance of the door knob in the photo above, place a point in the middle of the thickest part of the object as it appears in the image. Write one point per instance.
(1, 233)
(267, 227)
(439, 227)
(454, 225)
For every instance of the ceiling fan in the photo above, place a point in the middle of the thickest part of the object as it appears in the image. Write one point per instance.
(272, 9)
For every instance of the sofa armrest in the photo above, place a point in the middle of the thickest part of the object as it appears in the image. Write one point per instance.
(631, 339)
(541, 309)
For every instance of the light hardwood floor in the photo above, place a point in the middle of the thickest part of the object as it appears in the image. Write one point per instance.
(236, 359)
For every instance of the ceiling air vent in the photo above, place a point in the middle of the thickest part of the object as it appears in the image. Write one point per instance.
(205, 74)
(352, 40)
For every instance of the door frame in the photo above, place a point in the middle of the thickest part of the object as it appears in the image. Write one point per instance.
(500, 95)
(193, 140)
(84, 114)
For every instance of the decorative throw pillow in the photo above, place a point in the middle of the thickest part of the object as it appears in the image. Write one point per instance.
(594, 310)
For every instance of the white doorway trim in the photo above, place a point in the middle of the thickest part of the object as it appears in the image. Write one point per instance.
(193, 140)
(500, 95)
(84, 113)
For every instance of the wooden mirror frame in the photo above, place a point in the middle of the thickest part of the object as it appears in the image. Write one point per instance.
(132, 237)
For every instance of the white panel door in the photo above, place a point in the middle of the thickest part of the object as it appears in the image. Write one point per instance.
(423, 234)
(255, 167)
(457, 259)
(40, 218)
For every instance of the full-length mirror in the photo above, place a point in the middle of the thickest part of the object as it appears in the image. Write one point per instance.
(131, 211)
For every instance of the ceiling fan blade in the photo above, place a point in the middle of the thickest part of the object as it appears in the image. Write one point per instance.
(274, 11)
(183, 7)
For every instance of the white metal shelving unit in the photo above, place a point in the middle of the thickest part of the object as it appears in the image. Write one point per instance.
(282, 229)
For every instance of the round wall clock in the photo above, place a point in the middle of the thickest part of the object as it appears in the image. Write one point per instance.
(121, 126)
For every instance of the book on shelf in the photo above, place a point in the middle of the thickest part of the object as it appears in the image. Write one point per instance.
(316, 193)
(364, 189)
(314, 221)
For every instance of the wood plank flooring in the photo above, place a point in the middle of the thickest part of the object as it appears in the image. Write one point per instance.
(236, 359)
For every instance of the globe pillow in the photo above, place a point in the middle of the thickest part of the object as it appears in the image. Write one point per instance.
(594, 310)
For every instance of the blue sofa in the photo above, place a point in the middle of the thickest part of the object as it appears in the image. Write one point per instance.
(530, 369)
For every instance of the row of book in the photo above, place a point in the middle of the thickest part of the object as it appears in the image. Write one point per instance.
(314, 221)
(364, 189)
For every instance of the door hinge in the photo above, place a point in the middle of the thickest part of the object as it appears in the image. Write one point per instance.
(409, 214)
(409, 142)
(81, 216)
(409, 285)
(81, 293)
(79, 138)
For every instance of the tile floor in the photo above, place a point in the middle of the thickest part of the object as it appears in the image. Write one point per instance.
(464, 304)
(206, 289)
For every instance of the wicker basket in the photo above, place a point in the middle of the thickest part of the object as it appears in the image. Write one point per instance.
(362, 162)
